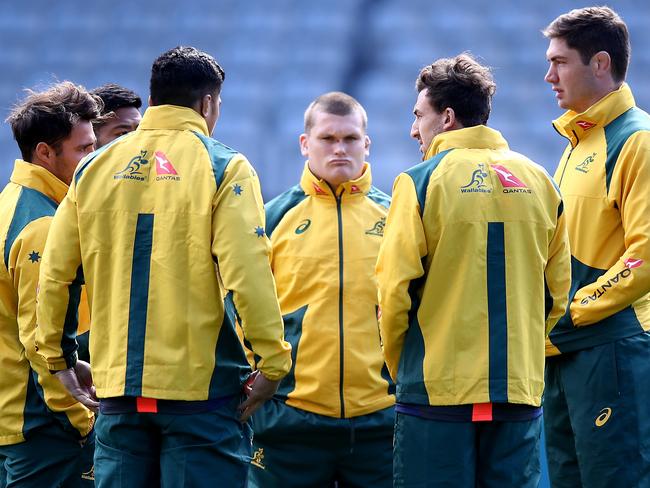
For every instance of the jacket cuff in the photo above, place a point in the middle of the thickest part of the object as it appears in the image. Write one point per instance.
(60, 364)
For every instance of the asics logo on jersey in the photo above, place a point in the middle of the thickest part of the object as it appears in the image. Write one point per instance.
(603, 417)
(258, 458)
(304, 225)
(477, 182)
(133, 167)
(378, 228)
(584, 166)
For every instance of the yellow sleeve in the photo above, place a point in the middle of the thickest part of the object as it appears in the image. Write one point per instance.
(557, 273)
(399, 263)
(243, 250)
(24, 265)
(629, 277)
(59, 293)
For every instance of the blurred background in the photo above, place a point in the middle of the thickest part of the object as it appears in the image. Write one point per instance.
(280, 54)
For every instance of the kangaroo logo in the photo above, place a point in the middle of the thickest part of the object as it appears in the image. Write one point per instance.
(477, 182)
(258, 458)
(378, 228)
(584, 166)
(132, 169)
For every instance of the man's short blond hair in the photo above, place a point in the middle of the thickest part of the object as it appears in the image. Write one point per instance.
(336, 103)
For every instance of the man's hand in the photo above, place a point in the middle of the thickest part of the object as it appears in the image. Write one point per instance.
(258, 389)
(79, 382)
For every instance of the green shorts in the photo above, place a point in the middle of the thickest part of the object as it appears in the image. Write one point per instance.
(138, 450)
(436, 453)
(294, 448)
(597, 415)
(50, 456)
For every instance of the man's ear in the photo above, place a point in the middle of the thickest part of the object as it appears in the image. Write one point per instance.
(367, 143)
(601, 64)
(450, 119)
(44, 153)
(304, 147)
(206, 105)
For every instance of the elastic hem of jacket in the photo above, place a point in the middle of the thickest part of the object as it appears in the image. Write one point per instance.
(522, 395)
(126, 404)
(500, 412)
(350, 412)
(274, 376)
(584, 337)
(11, 439)
(60, 364)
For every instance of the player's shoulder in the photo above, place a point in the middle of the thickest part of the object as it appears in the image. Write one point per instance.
(278, 207)
(378, 197)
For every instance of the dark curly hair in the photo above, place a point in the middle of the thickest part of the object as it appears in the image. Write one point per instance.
(460, 83)
(115, 96)
(183, 75)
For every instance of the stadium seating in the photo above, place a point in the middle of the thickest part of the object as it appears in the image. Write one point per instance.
(278, 56)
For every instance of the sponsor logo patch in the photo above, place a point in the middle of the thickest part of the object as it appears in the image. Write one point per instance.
(585, 124)
(165, 170)
(600, 291)
(603, 417)
(510, 183)
(633, 263)
(304, 225)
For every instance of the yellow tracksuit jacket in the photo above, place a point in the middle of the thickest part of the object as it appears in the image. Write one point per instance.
(166, 222)
(603, 176)
(473, 273)
(27, 205)
(325, 247)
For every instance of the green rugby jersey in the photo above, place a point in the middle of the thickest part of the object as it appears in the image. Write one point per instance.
(473, 273)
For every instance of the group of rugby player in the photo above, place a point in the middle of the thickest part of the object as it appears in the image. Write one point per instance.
(161, 326)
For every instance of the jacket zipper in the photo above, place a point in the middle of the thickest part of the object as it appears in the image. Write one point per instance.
(566, 163)
(341, 360)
